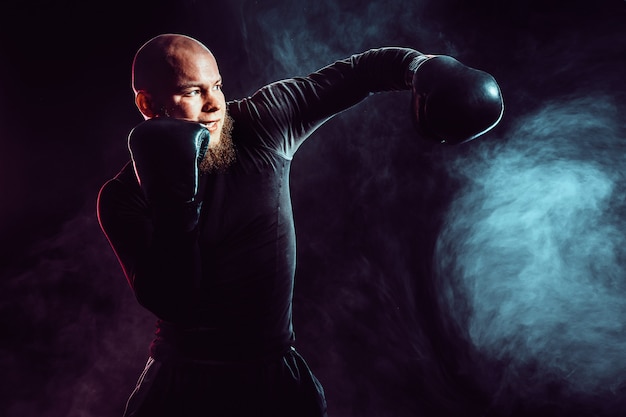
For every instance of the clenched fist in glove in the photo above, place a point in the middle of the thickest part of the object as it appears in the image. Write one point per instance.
(453, 103)
(166, 155)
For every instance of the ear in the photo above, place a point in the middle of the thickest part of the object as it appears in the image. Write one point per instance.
(146, 105)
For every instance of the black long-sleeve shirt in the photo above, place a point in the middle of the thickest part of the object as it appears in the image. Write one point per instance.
(224, 290)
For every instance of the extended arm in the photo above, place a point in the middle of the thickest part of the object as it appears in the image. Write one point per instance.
(292, 109)
(451, 102)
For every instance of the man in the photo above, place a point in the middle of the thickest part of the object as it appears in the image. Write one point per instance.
(201, 221)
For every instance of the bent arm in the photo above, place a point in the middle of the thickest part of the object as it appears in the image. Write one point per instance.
(160, 264)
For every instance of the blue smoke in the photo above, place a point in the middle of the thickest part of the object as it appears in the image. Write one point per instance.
(531, 258)
(293, 38)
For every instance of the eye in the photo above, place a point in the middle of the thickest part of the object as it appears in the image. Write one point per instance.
(217, 87)
(192, 93)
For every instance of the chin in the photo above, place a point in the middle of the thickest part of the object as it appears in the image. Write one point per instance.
(215, 138)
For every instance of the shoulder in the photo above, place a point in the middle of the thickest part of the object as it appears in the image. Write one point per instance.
(124, 178)
(120, 191)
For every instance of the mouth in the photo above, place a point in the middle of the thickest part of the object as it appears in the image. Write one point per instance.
(212, 125)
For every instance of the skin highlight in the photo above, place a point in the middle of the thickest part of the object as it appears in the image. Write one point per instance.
(177, 76)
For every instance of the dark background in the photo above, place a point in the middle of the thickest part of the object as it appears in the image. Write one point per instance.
(487, 279)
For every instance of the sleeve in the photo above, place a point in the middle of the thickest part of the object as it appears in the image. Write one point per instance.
(286, 112)
(160, 265)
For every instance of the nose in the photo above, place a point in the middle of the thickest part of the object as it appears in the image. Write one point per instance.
(211, 103)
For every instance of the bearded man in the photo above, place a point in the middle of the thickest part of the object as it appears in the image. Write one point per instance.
(201, 220)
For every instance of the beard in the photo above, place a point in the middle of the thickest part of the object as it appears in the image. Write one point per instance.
(221, 156)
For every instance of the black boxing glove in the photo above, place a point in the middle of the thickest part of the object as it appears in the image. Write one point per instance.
(453, 103)
(166, 155)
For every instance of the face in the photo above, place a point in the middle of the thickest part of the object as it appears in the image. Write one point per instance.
(194, 92)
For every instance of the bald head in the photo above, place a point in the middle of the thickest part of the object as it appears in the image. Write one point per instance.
(177, 76)
(157, 62)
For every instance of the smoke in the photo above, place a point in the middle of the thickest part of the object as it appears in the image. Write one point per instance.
(529, 274)
(285, 39)
(512, 241)
(531, 258)
(69, 325)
